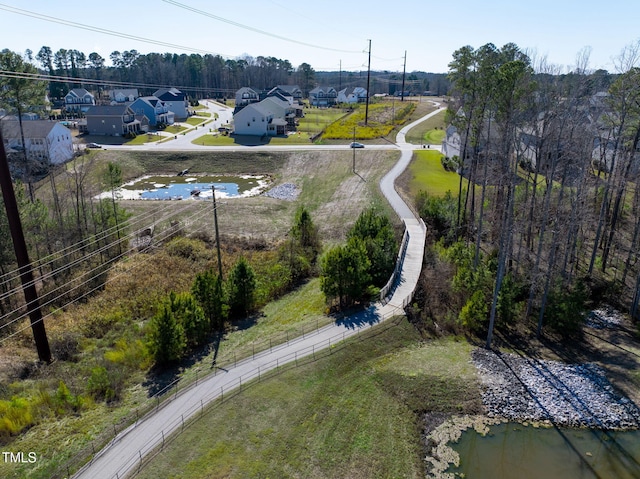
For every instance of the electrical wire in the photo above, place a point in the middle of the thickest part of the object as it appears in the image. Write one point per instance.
(104, 31)
(99, 267)
(77, 247)
(167, 233)
(6, 338)
(255, 30)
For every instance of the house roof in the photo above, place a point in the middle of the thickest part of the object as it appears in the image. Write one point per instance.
(151, 100)
(169, 94)
(110, 110)
(290, 88)
(31, 129)
(125, 91)
(246, 89)
(276, 101)
(79, 92)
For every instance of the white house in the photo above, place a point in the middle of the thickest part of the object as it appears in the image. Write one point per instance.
(259, 119)
(43, 139)
(123, 95)
(352, 95)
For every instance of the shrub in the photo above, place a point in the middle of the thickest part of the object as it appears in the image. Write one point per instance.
(474, 314)
(564, 313)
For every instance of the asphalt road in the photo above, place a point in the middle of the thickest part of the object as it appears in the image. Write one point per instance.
(123, 455)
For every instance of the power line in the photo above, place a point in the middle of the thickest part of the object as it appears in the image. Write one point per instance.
(167, 233)
(105, 31)
(255, 30)
(80, 245)
(105, 83)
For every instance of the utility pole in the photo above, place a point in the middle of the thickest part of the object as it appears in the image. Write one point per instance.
(215, 222)
(366, 110)
(404, 71)
(340, 78)
(22, 257)
(354, 150)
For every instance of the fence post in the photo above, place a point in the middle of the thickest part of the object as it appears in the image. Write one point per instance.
(162, 438)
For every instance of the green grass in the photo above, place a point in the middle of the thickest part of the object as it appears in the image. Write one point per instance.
(353, 413)
(430, 131)
(429, 175)
(194, 121)
(174, 129)
(144, 138)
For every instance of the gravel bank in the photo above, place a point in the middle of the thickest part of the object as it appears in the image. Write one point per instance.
(574, 395)
(285, 191)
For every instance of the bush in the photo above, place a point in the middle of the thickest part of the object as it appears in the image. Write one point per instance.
(474, 314)
(564, 313)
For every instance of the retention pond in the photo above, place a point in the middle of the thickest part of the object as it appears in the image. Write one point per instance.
(179, 187)
(515, 451)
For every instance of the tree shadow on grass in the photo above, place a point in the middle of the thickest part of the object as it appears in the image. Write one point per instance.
(162, 379)
(353, 319)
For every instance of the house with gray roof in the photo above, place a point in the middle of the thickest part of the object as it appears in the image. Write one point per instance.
(352, 95)
(125, 95)
(259, 119)
(155, 109)
(176, 101)
(78, 101)
(43, 140)
(323, 96)
(112, 120)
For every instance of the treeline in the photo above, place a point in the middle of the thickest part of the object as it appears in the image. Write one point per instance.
(207, 75)
(550, 217)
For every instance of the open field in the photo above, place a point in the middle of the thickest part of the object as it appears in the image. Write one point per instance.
(354, 413)
(425, 173)
(329, 189)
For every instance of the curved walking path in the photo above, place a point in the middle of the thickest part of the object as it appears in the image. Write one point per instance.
(124, 454)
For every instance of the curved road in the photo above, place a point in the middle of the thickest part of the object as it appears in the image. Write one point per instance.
(125, 452)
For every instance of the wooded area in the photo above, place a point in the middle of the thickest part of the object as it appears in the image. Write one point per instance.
(552, 217)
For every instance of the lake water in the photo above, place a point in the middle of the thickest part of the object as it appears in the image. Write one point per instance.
(514, 451)
(162, 187)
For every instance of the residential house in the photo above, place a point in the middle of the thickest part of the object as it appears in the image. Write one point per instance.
(352, 95)
(112, 120)
(43, 139)
(176, 101)
(452, 144)
(281, 109)
(323, 96)
(259, 119)
(245, 96)
(294, 91)
(156, 110)
(78, 101)
(123, 96)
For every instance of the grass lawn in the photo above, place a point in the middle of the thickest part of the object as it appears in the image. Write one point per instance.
(175, 129)
(428, 174)
(194, 121)
(430, 131)
(144, 138)
(353, 413)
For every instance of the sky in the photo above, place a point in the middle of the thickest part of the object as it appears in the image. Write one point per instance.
(330, 34)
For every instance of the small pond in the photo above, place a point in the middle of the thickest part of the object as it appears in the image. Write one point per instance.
(164, 187)
(514, 451)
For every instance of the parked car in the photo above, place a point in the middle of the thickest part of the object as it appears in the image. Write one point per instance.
(355, 144)
(93, 145)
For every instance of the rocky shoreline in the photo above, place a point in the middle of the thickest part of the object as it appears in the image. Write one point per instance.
(572, 395)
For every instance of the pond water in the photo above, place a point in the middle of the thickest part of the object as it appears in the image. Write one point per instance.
(514, 451)
(164, 187)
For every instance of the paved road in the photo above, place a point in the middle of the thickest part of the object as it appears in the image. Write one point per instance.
(124, 453)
